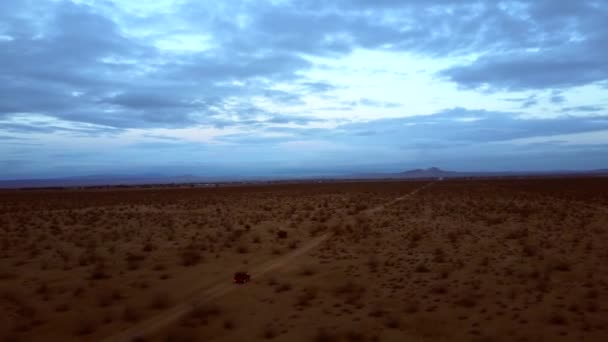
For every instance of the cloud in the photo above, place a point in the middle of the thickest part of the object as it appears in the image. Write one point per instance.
(587, 109)
(567, 50)
(270, 72)
(57, 63)
(460, 125)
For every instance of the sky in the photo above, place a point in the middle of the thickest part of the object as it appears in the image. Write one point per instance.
(298, 88)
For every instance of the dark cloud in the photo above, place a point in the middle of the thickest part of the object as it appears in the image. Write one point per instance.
(557, 97)
(568, 51)
(473, 126)
(78, 63)
(74, 63)
(525, 102)
(586, 109)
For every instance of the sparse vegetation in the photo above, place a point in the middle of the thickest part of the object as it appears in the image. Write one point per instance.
(457, 261)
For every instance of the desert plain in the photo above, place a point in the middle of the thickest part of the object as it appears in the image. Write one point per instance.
(428, 260)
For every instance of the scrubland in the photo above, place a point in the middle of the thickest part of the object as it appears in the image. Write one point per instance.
(482, 260)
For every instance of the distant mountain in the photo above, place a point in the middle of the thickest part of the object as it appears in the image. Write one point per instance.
(431, 172)
(102, 180)
(435, 172)
(152, 179)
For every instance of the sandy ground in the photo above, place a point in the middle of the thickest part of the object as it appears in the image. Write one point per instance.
(517, 260)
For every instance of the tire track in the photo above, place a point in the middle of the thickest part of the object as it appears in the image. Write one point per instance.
(173, 314)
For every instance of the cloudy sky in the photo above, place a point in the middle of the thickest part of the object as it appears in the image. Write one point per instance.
(301, 87)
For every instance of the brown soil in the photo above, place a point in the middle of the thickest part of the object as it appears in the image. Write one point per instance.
(484, 260)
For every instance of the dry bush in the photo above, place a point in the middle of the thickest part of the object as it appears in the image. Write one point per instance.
(99, 271)
(272, 281)
(411, 306)
(392, 322)
(557, 318)
(190, 258)
(529, 249)
(242, 249)
(373, 263)
(281, 234)
(306, 296)
(421, 268)
(323, 335)
(440, 288)
(6, 274)
(283, 288)
(294, 244)
(62, 307)
(181, 335)
(517, 233)
(269, 333)
(307, 271)
(148, 247)
(130, 314)
(160, 301)
(466, 301)
(228, 324)
(351, 292)
(85, 326)
(105, 298)
(134, 260)
(557, 264)
(200, 315)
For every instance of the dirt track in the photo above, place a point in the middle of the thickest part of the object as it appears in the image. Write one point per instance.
(223, 287)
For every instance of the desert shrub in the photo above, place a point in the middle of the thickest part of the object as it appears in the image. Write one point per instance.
(181, 335)
(373, 263)
(200, 315)
(421, 268)
(148, 247)
(85, 326)
(281, 234)
(283, 288)
(557, 318)
(440, 288)
(160, 301)
(411, 306)
(130, 314)
(306, 296)
(272, 281)
(392, 322)
(517, 233)
(323, 335)
(228, 324)
(354, 336)
(269, 333)
(62, 307)
(306, 271)
(99, 272)
(528, 249)
(557, 264)
(466, 301)
(190, 257)
(104, 299)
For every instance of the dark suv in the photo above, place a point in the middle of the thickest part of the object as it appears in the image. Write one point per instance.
(241, 277)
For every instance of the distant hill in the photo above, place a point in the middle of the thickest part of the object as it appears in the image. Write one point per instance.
(154, 179)
(435, 172)
(432, 172)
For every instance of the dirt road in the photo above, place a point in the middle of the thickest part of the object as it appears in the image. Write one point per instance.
(224, 286)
